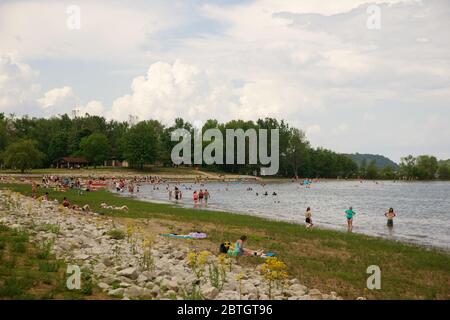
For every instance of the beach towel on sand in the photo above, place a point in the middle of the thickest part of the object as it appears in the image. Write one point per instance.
(192, 235)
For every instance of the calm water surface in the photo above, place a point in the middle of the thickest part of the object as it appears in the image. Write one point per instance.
(422, 208)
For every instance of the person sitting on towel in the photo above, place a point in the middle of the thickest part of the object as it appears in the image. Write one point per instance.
(240, 250)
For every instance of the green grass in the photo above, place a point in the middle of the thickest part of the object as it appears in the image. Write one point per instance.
(324, 259)
(116, 234)
(30, 272)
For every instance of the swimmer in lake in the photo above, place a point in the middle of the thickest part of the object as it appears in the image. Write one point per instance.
(390, 217)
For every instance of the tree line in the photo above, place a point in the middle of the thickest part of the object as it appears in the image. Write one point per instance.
(40, 142)
(423, 167)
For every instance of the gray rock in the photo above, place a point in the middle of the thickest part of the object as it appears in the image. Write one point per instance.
(134, 292)
(103, 285)
(155, 290)
(81, 256)
(131, 273)
(315, 294)
(170, 293)
(297, 287)
(108, 280)
(125, 285)
(141, 278)
(228, 295)
(209, 292)
(116, 292)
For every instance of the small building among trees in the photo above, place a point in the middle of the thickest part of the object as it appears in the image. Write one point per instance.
(115, 163)
(71, 162)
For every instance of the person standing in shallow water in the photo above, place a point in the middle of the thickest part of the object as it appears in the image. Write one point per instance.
(206, 195)
(195, 197)
(390, 217)
(349, 214)
(200, 196)
(308, 218)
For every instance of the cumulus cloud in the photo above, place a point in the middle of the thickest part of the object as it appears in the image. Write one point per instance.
(57, 97)
(184, 90)
(93, 108)
(64, 100)
(174, 90)
(18, 84)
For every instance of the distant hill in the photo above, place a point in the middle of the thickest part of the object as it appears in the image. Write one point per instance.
(380, 161)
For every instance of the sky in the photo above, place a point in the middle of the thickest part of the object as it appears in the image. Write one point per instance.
(356, 76)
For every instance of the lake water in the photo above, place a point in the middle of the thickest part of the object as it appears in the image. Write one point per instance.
(422, 208)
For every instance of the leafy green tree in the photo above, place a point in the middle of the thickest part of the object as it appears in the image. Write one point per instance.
(141, 144)
(426, 167)
(444, 170)
(372, 171)
(387, 173)
(3, 132)
(363, 168)
(296, 150)
(58, 147)
(408, 167)
(22, 155)
(95, 148)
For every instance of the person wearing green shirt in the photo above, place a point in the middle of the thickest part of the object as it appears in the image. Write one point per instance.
(349, 214)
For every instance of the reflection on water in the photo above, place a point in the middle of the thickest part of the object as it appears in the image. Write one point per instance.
(422, 208)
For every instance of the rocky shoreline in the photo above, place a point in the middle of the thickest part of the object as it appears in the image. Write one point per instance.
(137, 266)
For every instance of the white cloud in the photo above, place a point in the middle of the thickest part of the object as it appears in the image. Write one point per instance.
(18, 86)
(174, 90)
(312, 129)
(109, 31)
(340, 129)
(56, 97)
(93, 107)
(184, 90)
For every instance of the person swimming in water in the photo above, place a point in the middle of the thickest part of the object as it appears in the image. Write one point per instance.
(349, 214)
(390, 217)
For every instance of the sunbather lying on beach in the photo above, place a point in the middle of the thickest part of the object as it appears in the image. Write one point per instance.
(105, 206)
(85, 208)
